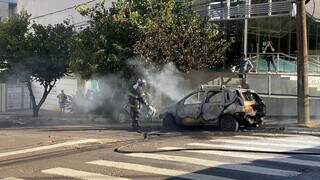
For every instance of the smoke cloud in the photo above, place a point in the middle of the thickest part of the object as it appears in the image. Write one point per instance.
(110, 95)
(168, 83)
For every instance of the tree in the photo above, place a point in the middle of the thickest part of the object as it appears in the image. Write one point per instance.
(160, 31)
(181, 37)
(35, 53)
(106, 45)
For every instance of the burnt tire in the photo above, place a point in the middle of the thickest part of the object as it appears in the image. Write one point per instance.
(228, 123)
(168, 122)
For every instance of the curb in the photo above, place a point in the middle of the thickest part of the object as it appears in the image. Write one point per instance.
(293, 129)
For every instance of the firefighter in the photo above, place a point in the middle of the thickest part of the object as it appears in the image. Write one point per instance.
(137, 99)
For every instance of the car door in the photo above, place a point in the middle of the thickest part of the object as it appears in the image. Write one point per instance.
(190, 107)
(213, 106)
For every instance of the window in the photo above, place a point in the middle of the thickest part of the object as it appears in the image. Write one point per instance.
(247, 96)
(195, 98)
(230, 95)
(215, 97)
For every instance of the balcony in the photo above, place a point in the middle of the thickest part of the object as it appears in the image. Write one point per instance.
(225, 11)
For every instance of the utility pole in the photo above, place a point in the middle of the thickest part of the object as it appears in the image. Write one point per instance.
(302, 64)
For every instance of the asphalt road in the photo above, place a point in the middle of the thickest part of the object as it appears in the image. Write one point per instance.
(66, 153)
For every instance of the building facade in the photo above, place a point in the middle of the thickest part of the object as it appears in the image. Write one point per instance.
(52, 12)
(260, 20)
(7, 8)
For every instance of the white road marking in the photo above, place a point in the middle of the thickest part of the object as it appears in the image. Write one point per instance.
(41, 148)
(155, 170)
(297, 140)
(11, 178)
(268, 144)
(241, 147)
(253, 157)
(80, 174)
(218, 164)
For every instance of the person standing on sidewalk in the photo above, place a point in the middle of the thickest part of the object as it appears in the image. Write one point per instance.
(269, 50)
(62, 98)
(245, 67)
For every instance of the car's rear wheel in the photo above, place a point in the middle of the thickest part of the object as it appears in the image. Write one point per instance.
(169, 122)
(228, 123)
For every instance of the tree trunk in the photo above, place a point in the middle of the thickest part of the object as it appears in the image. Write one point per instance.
(47, 89)
(36, 111)
(33, 100)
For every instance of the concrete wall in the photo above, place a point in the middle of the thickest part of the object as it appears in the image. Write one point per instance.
(70, 86)
(14, 97)
(287, 106)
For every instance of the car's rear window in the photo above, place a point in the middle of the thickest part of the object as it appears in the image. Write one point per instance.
(248, 96)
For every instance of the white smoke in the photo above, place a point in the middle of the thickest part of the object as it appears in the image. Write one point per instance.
(165, 87)
(169, 82)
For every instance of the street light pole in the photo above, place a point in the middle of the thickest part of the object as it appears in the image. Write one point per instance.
(302, 64)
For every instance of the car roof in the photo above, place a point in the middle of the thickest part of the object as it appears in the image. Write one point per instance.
(219, 88)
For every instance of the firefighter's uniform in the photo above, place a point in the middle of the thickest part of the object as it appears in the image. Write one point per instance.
(137, 98)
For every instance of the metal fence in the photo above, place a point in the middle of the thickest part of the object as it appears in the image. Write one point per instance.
(271, 84)
(218, 11)
(284, 63)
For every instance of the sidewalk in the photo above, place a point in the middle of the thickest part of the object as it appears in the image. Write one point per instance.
(54, 119)
(290, 125)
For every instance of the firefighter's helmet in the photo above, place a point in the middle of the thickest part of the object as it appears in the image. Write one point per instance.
(142, 82)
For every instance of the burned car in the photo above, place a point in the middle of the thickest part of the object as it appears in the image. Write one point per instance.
(227, 107)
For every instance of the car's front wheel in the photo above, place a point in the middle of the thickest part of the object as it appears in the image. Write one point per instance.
(169, 122)
(228, 123)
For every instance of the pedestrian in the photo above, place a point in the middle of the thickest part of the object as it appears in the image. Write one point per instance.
(268, 50)
(137, 98)
(245, 67)
(62, 98)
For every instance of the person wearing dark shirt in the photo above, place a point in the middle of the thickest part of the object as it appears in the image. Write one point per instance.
(269, 56)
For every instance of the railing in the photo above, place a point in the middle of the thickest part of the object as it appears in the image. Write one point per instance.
(284, 63)
(273, 84)
(240, 11)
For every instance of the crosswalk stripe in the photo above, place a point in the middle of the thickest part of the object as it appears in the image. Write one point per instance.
(80, 174)
(11, 178)
(265, 157)
(218, 164)
(155, 170)
(296, 140)
(241, 147)
(250, 143)
(41, 148)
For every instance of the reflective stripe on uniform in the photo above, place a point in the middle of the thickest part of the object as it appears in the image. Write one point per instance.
(134, 106)
(132, 95)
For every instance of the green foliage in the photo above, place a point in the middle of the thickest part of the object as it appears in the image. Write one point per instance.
(50, 51)
(13, 44)
(180, 36)
(34, 52)
(159, 31)
(106, 44)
